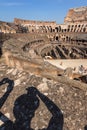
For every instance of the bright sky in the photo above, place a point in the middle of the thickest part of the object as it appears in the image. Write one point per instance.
(46, 10)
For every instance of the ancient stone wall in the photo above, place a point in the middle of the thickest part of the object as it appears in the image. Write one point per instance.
(46, 27)
(36, 26)
(32, 22)
(76, 15)
(54, 31)
(75, 21)
(72, 27)
(6, 27)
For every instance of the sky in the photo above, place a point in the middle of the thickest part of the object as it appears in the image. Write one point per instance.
(42, 10)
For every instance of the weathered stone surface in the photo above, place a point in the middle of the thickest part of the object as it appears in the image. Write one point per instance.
(77, 15)
(71, 100)
(31, 82)
(42, 87)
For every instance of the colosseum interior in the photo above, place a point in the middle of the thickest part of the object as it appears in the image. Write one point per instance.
(46, 39)
(64, 41)
(28, 80)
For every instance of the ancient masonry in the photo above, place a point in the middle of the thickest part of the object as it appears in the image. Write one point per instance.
(75, 21)
(25, 47)
(49, 39)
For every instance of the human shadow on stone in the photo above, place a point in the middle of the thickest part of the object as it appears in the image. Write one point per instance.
(24, 109)
(9, 89)
(57, 120)
(85, 128)
(10, 86)
(26, 105)
(0, 52)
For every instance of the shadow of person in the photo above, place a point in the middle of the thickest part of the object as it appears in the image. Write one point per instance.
(10, 86)
(24, 109)
(85, 128)
(26, 105)
(9, 89)
(0, 52)
(57, 120)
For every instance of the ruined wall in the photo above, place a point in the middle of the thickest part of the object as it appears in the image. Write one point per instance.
(7, 27)
(74, 22)
(32, 22)
(52, 27)
(36, 26)
(76, 15)
(72, 27)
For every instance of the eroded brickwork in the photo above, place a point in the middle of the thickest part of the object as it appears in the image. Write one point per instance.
(76, 15)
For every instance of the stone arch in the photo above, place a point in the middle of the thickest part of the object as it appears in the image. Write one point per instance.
(50, 28)
(48, 54)
(65, 30)
(57, 38)
(68, 26)
(53, 54)
(84, 29)
(72, 26)
(76, 25)
(68, 30)
(67, 38)
(56, 29)
(53, 30)
(82, 25)
(45, 29)
(60, 29)
(79, 25)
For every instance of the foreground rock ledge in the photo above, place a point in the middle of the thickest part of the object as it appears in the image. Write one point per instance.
(72, 101)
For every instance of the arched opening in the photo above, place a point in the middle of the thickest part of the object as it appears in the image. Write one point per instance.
(68, 30)
(79, 25)
(59, 28)
(32, 30)
(84, 29)
(68, 26)
(57, 39)
(56, 29)
(50, 29)
(53, 30)
(53, 54)
(48, 53)
(66, 38)
(65, 30)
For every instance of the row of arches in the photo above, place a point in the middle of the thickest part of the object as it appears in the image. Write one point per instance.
(44, 28)
(60, 38)
(72, 28)
(59, 28)
(64, 52)
(68, 38)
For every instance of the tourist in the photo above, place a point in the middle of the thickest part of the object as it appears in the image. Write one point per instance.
(81, 69)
